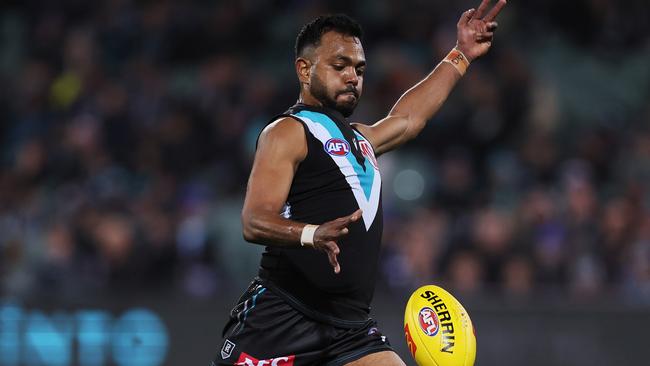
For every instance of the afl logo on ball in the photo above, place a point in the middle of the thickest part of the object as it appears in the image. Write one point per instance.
(337, 147)
(429, 322)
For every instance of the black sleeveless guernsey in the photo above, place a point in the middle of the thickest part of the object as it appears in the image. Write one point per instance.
(330, 183)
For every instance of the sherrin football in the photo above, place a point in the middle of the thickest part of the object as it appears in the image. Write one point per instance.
(438, 329)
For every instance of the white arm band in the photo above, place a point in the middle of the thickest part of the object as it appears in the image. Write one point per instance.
(307, 236)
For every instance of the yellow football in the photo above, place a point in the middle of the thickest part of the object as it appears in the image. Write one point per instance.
(438, 329)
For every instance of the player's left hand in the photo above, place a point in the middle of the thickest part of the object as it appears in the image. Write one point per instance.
(476, 29)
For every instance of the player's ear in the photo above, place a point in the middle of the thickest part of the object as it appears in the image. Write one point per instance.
(303, 69)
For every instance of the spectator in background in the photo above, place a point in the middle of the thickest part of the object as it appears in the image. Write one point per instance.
(114, 112)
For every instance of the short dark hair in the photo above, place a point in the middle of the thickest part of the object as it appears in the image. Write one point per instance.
(311, 33)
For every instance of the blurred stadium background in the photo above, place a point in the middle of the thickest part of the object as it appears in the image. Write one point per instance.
(127, 130)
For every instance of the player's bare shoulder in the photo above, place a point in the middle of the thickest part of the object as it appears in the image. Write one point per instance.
(286, 136)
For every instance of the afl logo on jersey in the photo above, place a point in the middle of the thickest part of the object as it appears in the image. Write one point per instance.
(337, 147)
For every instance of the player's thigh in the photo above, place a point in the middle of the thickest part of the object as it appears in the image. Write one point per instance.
(384, 358)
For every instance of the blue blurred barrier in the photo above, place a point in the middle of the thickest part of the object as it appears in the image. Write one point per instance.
(173, 329)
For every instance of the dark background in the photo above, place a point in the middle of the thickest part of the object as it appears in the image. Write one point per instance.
(127, 131)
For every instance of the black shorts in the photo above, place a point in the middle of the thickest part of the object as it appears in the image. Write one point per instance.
(264, 330)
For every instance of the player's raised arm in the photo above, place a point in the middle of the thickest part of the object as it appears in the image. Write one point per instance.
(281, 148)
(414, 108)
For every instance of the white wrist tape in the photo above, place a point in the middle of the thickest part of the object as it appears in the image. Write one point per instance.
(307, 236)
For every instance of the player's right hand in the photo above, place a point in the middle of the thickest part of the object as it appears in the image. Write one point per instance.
(327, 235)
(476, 29)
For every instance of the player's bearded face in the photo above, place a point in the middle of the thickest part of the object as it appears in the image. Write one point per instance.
(343, 100)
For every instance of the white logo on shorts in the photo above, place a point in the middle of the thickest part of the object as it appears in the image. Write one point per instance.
(227, 348)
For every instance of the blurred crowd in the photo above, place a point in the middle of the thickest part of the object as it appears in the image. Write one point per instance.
(128, 128)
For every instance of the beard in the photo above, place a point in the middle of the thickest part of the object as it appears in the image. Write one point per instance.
(319, 91)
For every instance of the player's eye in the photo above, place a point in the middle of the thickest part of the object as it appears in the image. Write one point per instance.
(361, 70)
(338, 67)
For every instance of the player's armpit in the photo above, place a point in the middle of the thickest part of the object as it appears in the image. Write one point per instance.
(281, 147)
(387, 134)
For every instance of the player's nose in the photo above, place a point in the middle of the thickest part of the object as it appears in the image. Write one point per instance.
(351, 77)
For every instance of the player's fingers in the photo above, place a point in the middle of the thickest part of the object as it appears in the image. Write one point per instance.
(335, 231)
(332, 247)
(495, 11)
(349, 218)
(340, 232)
(485, 41)
(466, 17)
(356, 215)
(492, 26)
(484, 36)
(481, 9)
(334, 262)
(332, 252)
